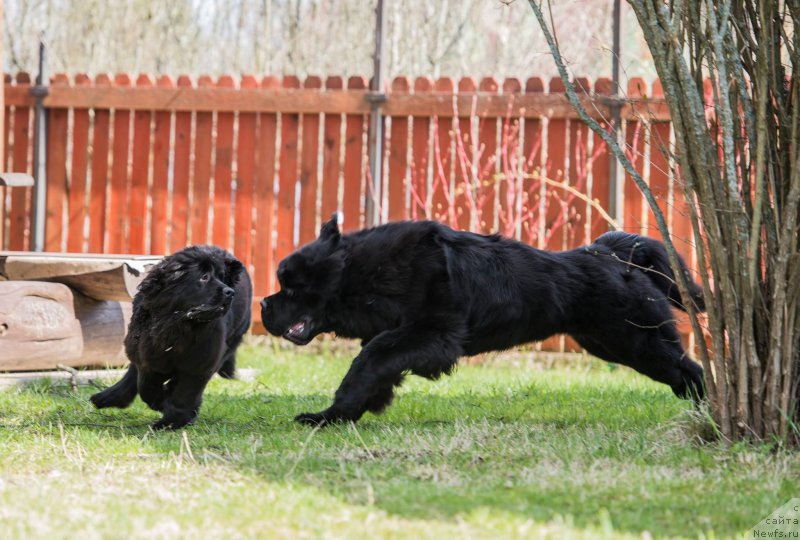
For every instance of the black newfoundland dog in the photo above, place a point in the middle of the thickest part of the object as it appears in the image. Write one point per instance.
(420, 295)
(189, 316)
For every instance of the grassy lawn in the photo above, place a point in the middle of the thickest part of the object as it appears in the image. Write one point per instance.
(497, 450)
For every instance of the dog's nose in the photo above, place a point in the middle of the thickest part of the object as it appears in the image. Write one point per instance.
(228, 292)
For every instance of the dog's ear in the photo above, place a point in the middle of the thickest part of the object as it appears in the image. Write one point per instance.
(330, 230)
(233, 268)
(151, 285)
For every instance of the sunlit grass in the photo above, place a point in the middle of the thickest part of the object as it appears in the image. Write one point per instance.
(503, 449)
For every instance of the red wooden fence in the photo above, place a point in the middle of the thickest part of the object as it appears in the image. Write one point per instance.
(151, 165)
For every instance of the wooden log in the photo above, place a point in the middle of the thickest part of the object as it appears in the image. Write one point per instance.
(44, 325)
(104, 324)
(101, 277)
(38, 327)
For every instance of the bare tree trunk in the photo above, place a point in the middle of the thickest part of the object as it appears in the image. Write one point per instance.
(741, 172)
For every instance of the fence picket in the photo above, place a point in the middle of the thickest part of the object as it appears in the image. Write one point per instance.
(420, 155)
(464, 155)
(162, 133)
(600, 168)
(532, 187)
(442, 181)
(19, 224)
(331, 155)
(287, 174)
(245, 172)
(353, 162)
(576, 225)
(634, 208)
(264, 252)
(101, 136)
(223, 173)
(201, 182)
(398, 158)
(487, 145)
(57, 129)
(140, 174)
(76, 198)
(308, 170)
(182, 167)
(118, 201)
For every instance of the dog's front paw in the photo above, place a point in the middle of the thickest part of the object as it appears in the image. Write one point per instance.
(106, 398)
(171, 423)
(322, 419)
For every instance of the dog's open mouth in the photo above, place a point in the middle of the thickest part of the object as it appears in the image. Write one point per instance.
(299, 333)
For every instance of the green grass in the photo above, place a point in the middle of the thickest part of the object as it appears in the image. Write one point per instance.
(504, 449)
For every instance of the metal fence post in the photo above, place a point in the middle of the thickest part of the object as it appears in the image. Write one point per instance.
(374, 195)
(40, 91)
(614, 175)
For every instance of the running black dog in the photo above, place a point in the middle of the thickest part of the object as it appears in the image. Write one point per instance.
(189, 316)
(420, 295)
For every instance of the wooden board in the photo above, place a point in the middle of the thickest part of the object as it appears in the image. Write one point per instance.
(101, 277)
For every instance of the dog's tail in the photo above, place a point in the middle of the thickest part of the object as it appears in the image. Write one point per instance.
(650, 256)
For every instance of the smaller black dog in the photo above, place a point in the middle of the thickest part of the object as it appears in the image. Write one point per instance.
(189, 316)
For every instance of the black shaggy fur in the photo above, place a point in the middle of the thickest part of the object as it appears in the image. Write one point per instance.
(420, 295)
(189, 316)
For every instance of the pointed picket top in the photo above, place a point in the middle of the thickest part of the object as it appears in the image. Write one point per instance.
(488, 84)
(423, 84)
(102, 79)
(205, 81)
(226, 81)
(313, 82)
(7, 78)
(184, 81)
(534, 85)
(248, 81)
(557, 86)
(60, 79)
(23, 78)
(357, 82)
(164, 81)
(290, 81)
(512, 85)
(637, 87)
(144, 80)
(444, 84)
(82, 79)
(122, 79)
(657, 89)
(400, 84)
(334, 82)
(270, 82)
(582, 85)
(603, 86)
(467, 85)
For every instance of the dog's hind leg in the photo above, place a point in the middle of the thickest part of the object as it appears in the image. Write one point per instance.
(422, 349)
(228, 368)
(120, 394)
(655, 352)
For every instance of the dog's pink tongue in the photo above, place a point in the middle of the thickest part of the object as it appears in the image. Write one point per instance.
(297, 327)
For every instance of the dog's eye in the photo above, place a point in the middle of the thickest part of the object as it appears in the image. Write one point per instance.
(205, 277)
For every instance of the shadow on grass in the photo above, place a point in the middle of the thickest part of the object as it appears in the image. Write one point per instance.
(592, 454)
